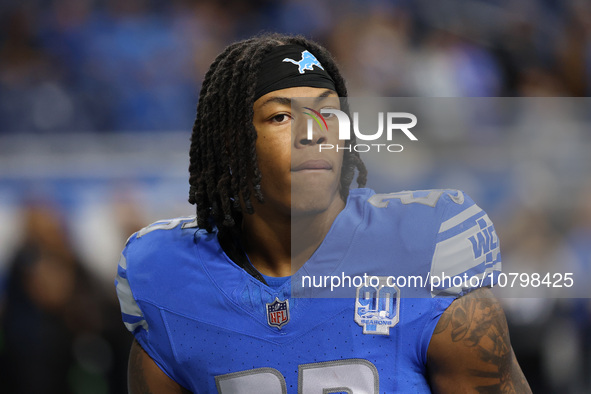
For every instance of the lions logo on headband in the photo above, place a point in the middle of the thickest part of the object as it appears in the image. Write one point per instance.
(275, 71)
(307, 62)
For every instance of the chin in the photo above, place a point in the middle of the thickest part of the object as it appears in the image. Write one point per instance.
(312, 201)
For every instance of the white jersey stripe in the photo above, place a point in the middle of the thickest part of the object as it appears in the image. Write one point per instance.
(132, 326)
(459, 218)
(126, 300)
(123, 262)
(455, 255)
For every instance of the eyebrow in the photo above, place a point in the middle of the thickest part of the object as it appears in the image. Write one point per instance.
(287, 101)
(278, 100)
(324, 94)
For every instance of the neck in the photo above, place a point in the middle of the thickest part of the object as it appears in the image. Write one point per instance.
(268, 240)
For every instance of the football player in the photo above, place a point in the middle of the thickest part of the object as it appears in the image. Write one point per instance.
(209, 298)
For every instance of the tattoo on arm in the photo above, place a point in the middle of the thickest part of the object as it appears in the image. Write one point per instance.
(477, 322)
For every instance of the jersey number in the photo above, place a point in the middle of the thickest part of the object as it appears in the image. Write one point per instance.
(408, 197)
(188, 222)
(352, 376)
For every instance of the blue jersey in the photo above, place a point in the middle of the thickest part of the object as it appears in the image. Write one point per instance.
(212, 327)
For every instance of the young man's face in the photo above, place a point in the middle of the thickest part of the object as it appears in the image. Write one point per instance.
(297, 178)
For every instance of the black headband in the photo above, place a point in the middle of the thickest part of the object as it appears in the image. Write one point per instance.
(289, 66)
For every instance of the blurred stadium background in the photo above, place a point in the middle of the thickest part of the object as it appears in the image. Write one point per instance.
(97, 100)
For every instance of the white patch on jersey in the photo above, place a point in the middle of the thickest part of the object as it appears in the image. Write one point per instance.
(377, 308)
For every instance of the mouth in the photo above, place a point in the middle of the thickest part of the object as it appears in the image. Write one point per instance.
(312, 165)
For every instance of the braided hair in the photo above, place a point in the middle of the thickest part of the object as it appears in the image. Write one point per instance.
(223, 161)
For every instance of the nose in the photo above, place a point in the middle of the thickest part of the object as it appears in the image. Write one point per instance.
(308, 133)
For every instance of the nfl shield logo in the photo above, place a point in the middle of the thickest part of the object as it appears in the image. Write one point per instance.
(278, 313)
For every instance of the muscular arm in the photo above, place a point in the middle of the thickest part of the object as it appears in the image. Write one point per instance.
(145, 377)
(470, 349)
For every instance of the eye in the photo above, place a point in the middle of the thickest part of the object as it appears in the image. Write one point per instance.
(280, 118)
(326, 114)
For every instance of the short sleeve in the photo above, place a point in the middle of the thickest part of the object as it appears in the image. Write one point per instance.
(135, 284)
(132, 315)
(467, 253)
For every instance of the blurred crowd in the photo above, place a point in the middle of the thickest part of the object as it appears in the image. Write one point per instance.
(106, 69)
(59, 326)
(136, 65)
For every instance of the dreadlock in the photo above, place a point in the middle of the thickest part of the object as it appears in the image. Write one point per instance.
(223, 161)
